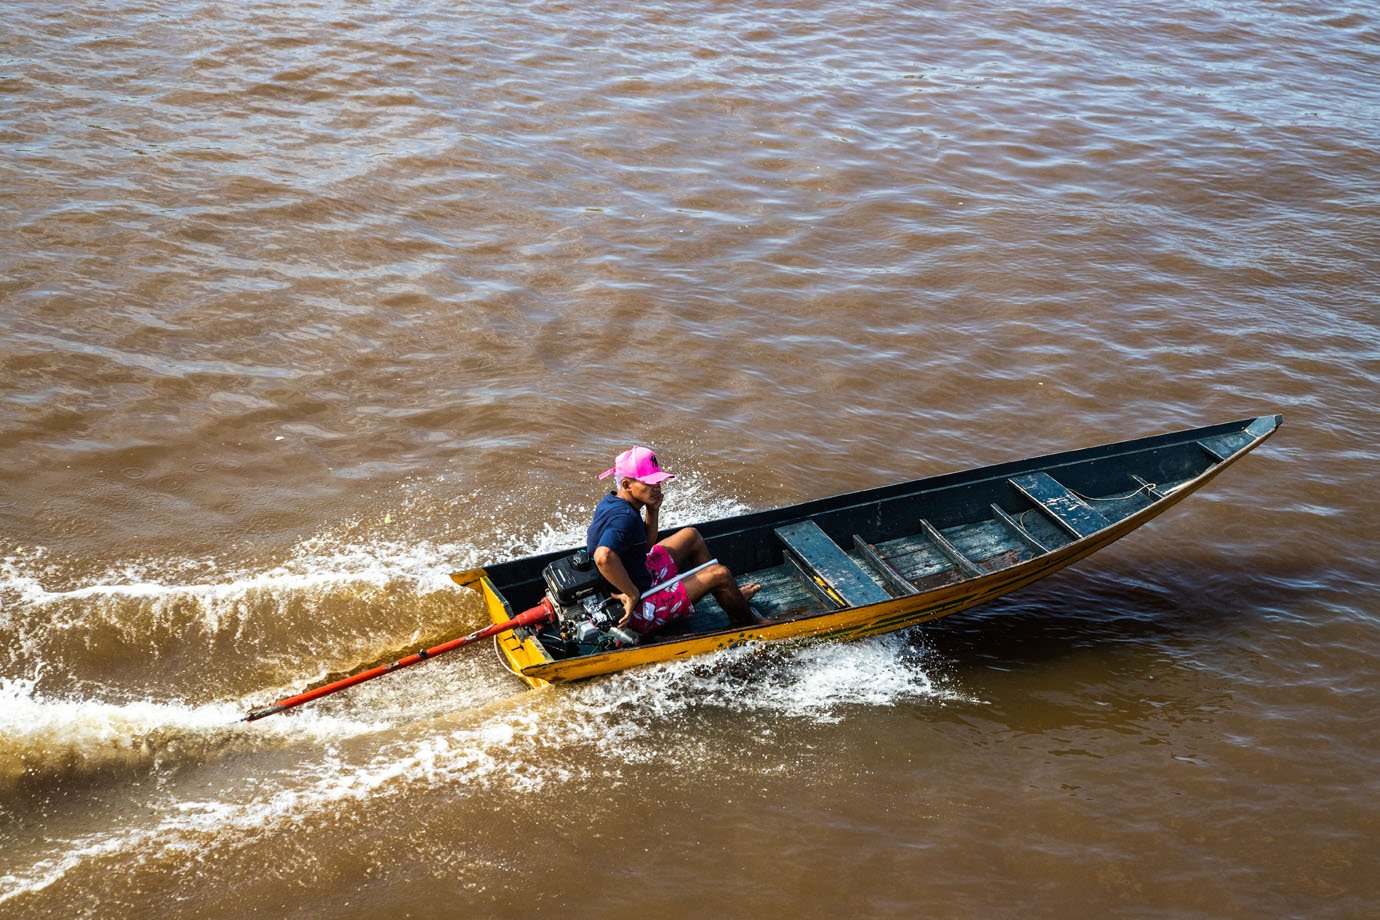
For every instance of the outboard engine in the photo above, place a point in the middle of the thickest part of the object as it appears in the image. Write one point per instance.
(586, 613)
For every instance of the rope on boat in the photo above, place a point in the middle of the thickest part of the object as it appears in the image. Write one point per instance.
(502, 659)
(1115, 498)
(1148, 487)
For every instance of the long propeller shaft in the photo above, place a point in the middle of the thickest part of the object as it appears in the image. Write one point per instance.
(538, 614)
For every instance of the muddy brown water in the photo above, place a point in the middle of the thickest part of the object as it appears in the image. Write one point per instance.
(304, 306)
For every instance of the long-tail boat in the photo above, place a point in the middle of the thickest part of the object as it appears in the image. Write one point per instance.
(867, 562)
(849, 566)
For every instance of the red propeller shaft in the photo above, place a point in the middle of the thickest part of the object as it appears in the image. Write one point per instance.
(538, 614)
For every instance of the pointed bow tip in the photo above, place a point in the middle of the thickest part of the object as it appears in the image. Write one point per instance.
(1265, 425)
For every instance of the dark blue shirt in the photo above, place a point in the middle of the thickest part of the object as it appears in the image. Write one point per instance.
(618, 526)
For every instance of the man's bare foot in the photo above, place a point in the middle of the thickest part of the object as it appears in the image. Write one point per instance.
(754, 619)
(749, 592)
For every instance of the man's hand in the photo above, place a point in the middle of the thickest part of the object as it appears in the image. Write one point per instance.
(611, 567)
(629, 603)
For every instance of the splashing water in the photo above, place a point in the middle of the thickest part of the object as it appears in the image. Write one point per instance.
(518, 744)
(96, 715)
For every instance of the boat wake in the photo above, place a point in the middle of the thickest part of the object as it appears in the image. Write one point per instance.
(127, 737)
(596, 734)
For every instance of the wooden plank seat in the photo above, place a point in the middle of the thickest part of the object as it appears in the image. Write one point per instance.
(1066, 509)
(827, 568)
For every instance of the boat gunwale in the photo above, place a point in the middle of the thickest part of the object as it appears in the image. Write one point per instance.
(524, 572)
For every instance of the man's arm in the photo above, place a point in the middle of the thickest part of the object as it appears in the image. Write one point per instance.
(653, 512)
(652, 528)
(611, 567)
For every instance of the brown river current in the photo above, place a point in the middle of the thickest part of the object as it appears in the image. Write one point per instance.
(304, 306)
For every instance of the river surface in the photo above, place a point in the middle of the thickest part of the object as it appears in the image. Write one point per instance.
(304, 306)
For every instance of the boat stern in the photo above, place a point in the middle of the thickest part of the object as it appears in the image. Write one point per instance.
(518, 648)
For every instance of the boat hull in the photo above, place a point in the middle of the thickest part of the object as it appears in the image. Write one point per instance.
(529, 660)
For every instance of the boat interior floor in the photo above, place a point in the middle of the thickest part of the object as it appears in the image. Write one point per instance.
(928, 559)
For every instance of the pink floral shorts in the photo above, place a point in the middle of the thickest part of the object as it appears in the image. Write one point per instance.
(667, 605)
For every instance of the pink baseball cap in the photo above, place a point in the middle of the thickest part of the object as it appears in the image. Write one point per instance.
(638, 463)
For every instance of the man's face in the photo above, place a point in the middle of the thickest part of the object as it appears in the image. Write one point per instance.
(646, 494)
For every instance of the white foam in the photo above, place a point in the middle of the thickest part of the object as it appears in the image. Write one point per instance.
(130, 581)
(47, 738)
(814, 682)
(327, 559)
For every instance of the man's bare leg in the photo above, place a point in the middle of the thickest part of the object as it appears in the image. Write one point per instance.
(687, 548)
(719, 581)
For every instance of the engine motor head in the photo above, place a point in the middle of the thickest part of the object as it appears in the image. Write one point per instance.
(572, 578)
(586, 612)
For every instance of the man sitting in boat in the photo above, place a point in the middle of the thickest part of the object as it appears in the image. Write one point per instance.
(618, 539)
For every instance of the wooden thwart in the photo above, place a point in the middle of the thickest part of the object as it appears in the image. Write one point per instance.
(950, 552)
(1015, 526)
(1221, 447)
(1213, 452)
(899, 582)
(1066, 509)
(827, 567)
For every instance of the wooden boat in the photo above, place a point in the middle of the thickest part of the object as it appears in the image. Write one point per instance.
(884, 559)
